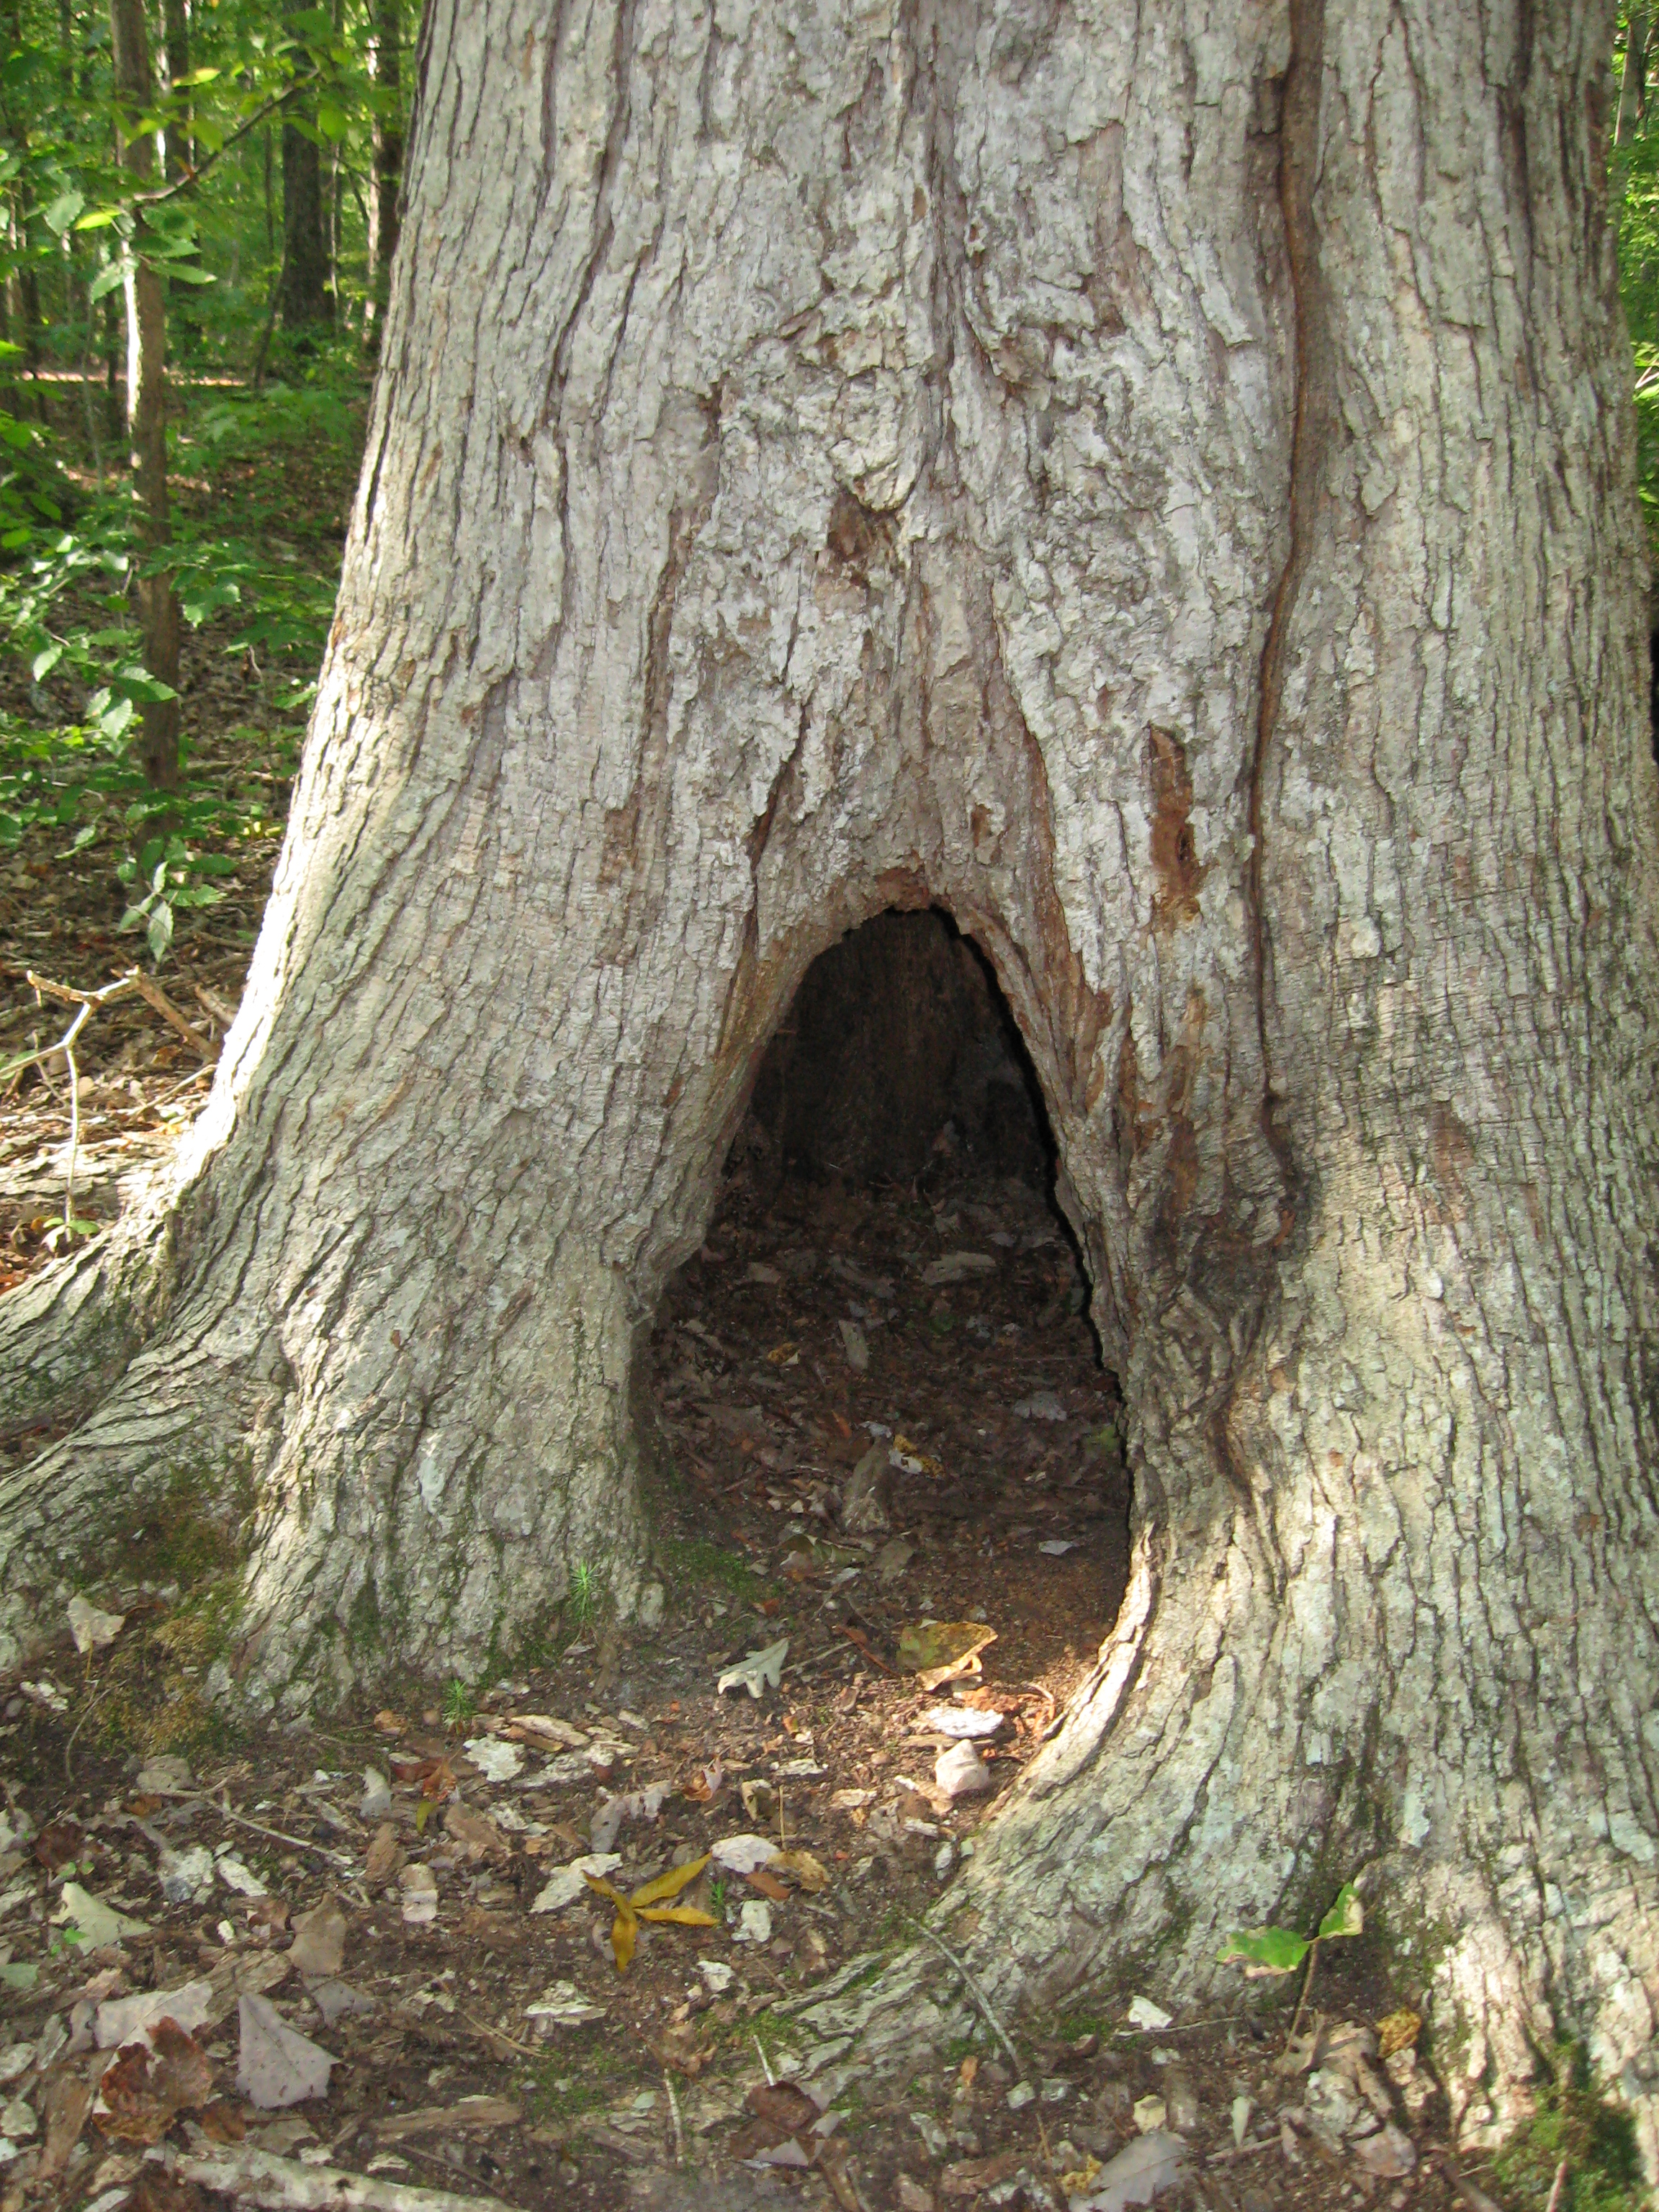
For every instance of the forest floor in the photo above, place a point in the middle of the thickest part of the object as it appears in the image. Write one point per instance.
(871, 1439)
(394, 1884)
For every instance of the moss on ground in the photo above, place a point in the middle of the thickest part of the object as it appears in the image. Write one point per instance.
(1574, 2123)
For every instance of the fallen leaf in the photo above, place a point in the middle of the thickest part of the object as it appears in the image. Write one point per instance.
(121, 2021)
(565, 1884)
(768, 1885)
(279, 2066)
(800, 1867)
(96, 1922)
(390, 1723)
(155, 2189)
(742, 1853)
(670, 1884)
(319, 1945)
(59, 1845)
(645, 1904)
(420, 1896)
(937, 1652)
(222, 2122)
(235, 1874)
(1136, 2176)
(148, 2085)
(91, 1628)
(563, 2005)
(706, 1784)
(384, 1857)
(495, 1759)
(69, 2099)
(760, 1670)
(478, 1837)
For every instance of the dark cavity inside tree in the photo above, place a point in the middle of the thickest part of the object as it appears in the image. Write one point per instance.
(1162, 491)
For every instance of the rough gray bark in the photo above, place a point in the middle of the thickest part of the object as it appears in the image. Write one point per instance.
(1158, 485)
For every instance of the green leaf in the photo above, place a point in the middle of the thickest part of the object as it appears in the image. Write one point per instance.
(1275, 1949)
(331, 121)
(62, 211)
(189, 272)
(100, 219)
(160, 933)
(1347, 1916)
(106, 280)
(44, 663)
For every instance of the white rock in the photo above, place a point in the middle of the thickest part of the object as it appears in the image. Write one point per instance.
(237, 1876)
(753, 1922)
(1150, 2114)
(420, 1888)
(1143, 2013)
(1022, 2094)
(716, 1974)
(18, 2060)
(187, 1877)
(961, 1772)
(563, 2005)
(17, 2119)
(376, 1801)
(944, 1859)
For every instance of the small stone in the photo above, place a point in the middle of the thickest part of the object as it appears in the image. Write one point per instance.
(934, 2140)
(1143, 2013)
(716, 1974)
(17, 2119)
(1182, 2098)
(376, 1801)
(961, 1772)
(944, 1859)
(187, 1877)
(420, 1888)
(1150, 2112)
(1022, 2094)
(1388, 2154)
(912, 2196)
(1055, 2090)
(753, 1922)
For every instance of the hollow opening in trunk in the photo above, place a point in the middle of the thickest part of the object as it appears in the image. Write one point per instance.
(878, 1376)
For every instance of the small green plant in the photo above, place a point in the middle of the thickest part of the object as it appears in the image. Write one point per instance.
(717, 1898)
(583, 1601)
(460, 1705)
(1281, 1950)
(1574, 2126)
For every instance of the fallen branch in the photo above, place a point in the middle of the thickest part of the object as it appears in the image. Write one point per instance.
(153, 995)
(283, 2184)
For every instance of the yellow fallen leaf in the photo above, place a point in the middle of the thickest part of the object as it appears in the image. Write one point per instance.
(783, 1355)
(803, 1868)
(669, 1884)
(682, 1915)
(625, 1934)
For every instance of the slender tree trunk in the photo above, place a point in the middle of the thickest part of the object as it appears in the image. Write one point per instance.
(147, 408)
(385, 63)
(306, 300)
(1162, 490)
(1633, 82)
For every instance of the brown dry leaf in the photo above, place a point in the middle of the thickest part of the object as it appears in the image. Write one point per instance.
(145, 2090)
(783, 1355)
(478, 1837)
(1397, 2031)
(705, 1784)
(763, 1879)
(319, 1945)
(69, 2099)
(782, 2111)
(384, 1857)
(390, 1723)
(929, 1465)
(267, 1916)
(59, 1845)
(678, 2047)
(971, 2175)
(222, 2122)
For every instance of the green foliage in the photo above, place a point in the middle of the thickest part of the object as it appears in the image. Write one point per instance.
(1572, 2122)
(1281, 1950)
(459, 1703)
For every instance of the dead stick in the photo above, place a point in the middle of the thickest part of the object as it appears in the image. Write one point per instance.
(977, 1993)
(283, 2184)
(1557, 2187)
(499, 2035)
(153, 995)
(1302, 2003)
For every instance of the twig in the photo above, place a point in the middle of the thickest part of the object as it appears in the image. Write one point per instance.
(977, 1993)
(1473, 2199)
(674, 2107)
(153, 995)
(766, 2066)
(276, 1835)
(74, 1119)
(499, 2035)
(1557, 2187)
(1302, 2002)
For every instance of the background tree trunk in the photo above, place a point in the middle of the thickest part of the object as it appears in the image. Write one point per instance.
(385, 63)
(147, 406)
(305, 299)
(1163, 493)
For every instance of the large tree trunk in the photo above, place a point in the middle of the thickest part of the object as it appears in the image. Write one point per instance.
(305, 298)
(1162, 492)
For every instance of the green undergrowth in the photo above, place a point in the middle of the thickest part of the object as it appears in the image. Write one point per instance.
(698, 1561)
(1573, 2121)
